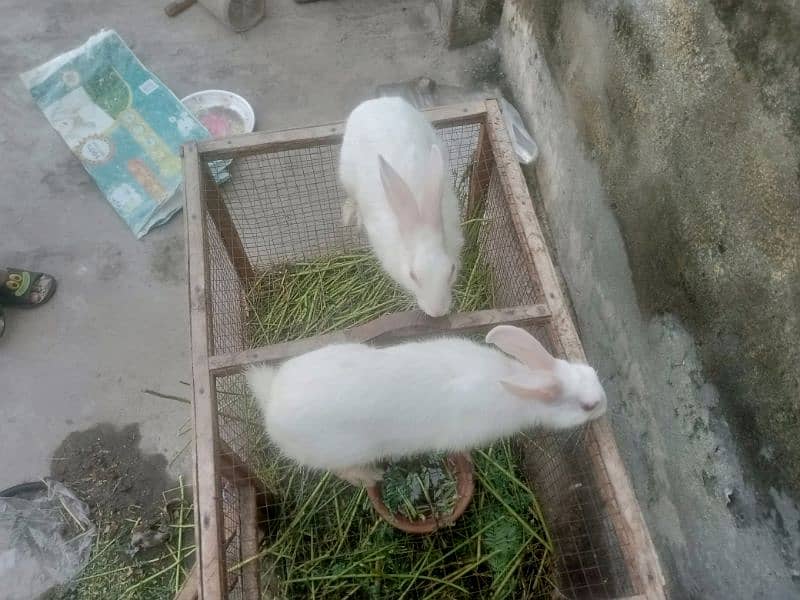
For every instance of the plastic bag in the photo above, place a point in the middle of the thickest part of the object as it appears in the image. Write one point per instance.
(44, 542)
(424, 92)
(124, 125)
(524, 146)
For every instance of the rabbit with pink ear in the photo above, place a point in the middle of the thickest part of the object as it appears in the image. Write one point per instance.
(346, 407)
(393, 168)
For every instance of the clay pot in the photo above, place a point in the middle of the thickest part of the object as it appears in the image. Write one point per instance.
(460, 465)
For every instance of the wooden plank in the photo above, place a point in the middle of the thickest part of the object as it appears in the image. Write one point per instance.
(481, 171)
(251, 498)
(468, 322)
(451, 115)
(234, 469)
(208, 511)
(392, 327)
(192, 584)
(218, 211)
(188, 590)
(640, 554)
(262, 141)
(248, 539)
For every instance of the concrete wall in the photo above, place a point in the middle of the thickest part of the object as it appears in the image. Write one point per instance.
(669, 172)
(465, 22)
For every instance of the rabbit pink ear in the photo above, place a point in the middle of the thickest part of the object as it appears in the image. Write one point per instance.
(540, 387)
(520, 344)
(400, 198)
(434, 187)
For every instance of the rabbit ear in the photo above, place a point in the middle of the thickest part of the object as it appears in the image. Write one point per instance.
(434, 187)
(521, 345)
(541, 387)
(400, 198)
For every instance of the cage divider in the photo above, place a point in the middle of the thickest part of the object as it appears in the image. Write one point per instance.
(218, 211)
(392, 327)
(480, 172)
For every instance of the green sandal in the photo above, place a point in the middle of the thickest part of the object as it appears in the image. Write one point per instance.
(25, 288)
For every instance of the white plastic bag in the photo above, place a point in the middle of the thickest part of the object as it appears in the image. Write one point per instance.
(524, 146)
(44, 542)
(424, 92)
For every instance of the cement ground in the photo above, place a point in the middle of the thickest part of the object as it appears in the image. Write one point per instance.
(118, 324)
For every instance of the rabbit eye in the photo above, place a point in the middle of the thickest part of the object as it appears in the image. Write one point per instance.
(413, 277)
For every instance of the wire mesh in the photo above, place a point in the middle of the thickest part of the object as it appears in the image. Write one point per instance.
(283, 207)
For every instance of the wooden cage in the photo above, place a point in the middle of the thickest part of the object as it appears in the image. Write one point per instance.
(283, 203)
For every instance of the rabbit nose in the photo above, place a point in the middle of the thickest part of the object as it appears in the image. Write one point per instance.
(438, 311)
(590, 405)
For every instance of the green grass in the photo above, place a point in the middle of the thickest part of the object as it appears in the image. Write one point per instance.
(328, 542)
(154, 574)
(344, 290)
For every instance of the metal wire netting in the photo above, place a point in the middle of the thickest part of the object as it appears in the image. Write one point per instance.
(283, 207)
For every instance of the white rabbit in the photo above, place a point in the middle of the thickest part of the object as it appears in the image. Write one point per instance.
(393, 168)
(345, 407)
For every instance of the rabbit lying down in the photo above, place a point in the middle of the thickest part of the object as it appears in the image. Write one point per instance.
(345, 407)
(393, 167)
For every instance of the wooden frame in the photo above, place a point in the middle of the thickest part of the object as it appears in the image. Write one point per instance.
(640, 556)
(207, 495)
(214, 460)
(393, 327)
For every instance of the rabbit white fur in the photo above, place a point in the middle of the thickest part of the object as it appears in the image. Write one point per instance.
(345, 407)
(393, 168)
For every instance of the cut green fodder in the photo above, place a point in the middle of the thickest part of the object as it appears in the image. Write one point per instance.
(320, 296)
(420, 488)
(335, 292)
(328, 542)
(151, 574)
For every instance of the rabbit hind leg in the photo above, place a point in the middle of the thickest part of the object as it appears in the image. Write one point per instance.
(361, 475)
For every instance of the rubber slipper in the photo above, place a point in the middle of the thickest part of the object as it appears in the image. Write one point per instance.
(26, 288)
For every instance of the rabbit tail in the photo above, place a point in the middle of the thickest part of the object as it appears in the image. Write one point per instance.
(259, 380)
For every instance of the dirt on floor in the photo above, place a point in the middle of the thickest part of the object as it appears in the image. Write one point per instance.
(106, 469)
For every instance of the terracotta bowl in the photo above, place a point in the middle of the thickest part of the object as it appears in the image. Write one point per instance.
(459, 465)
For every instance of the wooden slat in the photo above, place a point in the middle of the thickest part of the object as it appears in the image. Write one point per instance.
(322, 135)
(392, 327)
(480, 173)
(640, 554)
(234, 469)
(252, 499)
(218, 211)
(248, 539)
(456, 114)
(208, 504)
(188, 590)
(261, 142)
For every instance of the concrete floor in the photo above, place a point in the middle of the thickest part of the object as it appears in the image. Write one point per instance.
(118, 324)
